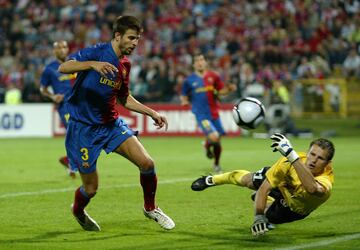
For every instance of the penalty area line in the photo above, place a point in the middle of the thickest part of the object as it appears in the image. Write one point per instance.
(62, 190)
(323, 242)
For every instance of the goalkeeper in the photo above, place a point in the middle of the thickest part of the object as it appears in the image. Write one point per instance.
(287, 191)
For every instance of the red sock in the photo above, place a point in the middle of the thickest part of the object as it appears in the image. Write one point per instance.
(149, 182)
(217, 153)
(66, 160)
(80, 202)
(208, 145)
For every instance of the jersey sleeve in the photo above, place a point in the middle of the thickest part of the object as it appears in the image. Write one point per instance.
(87, 54)
(45, 79)
(219, 84)
(324, 181)
(124, 89)
(276, 174)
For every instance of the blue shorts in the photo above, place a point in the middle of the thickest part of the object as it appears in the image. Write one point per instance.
(63, 113)
(209, 125)
(84, 142)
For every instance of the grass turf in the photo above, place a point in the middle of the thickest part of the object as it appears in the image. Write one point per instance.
(35, 198)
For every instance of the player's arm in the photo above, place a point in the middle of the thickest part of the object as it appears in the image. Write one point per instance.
(73, 66)
(227, 89)
(308, 181)
(130, 103)
(56, 98)
(259, 227)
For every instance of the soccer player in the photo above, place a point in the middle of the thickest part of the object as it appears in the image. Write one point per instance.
(287, 191)
(95, 124)
(61, 88)
(202, 88)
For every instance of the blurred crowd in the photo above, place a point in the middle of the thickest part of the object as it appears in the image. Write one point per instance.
(257, 44)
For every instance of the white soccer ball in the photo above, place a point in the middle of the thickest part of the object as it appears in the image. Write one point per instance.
(248, 113)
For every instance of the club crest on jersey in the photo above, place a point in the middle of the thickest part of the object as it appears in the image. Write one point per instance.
(85, 164)
(110, 83)
(194, 84)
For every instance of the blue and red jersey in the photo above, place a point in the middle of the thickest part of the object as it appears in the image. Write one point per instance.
(60, 83)
(202, 93)
(94, 97)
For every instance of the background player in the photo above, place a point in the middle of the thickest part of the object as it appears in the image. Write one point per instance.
(201, 89)
(103, 79)
(287, 191)
(61, 88)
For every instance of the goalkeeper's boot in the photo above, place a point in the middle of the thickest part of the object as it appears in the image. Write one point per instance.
(86, 222)
(202, 183)
(208, 152)
(160, 217)
(65, 162)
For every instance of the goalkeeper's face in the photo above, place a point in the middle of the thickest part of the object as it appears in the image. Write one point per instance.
(317, 160)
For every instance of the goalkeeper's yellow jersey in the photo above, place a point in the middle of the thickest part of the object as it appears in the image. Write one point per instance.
(283, 176)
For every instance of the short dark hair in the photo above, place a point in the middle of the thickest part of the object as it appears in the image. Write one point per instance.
(197, 54)
(123, 23)
(326, 145)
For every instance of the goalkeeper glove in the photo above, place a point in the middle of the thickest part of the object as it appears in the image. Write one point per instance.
(259, 226)
(282, 144)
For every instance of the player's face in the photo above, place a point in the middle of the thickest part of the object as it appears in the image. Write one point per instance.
(61, 50)
(316, 159)
(128, 42)
(200, 63)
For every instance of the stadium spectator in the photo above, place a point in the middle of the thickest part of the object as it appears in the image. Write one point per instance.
(102, 80)
(57, 87)
(12, 95)
(293, 30)
(352, 64)
(201, 89)
(290, 189)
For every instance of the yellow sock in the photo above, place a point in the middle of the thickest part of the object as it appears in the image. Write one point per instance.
(233, 177)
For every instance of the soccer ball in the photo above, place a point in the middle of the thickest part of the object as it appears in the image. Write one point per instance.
(248, 113)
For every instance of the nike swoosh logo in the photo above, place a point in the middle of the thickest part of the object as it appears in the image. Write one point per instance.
(124, 132)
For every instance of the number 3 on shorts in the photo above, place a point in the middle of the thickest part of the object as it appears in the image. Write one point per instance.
(85, 154)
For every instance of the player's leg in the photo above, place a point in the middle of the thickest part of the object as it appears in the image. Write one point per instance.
(214, 139)
(64, 160)
(134, 151)
(83, 196)
(237, 177)
(208, 148)
(216, 123)
(212, 144)
(81, 151)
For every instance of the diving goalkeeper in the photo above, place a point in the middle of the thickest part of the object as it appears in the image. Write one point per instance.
(287, 191)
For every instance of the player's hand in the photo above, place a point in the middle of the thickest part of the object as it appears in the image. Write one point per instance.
(160, 120)
(282, 144)
(58, 98)
(259, 226)
(104, 68)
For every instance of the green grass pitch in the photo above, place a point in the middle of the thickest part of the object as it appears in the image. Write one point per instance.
(35, 198)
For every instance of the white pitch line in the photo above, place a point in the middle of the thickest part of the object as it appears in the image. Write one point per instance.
(323, 242)
(62, 190)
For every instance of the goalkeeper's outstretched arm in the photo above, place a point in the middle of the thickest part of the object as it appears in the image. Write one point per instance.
(283, 145)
